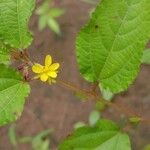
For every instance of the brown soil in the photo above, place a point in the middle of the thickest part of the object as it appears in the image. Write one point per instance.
(57, 108)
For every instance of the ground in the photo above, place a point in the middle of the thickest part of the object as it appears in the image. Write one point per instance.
(55, 106)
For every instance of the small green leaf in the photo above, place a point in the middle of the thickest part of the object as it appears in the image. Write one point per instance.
(94, 117)
(52, 23)
(79, 125)
(135, 120)
(25, 139)
(42, 22)
(146, 57)
(12, 95)
(147, 147)
(42, 145)
(14, 17)
(44, 8)
(40, 141)
(12, 135)
(48, 14)
(56, 12)
(105, 135)
(110, 46)
(106, 93)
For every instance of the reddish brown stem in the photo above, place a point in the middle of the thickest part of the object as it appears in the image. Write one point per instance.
(123, 109)
(23, 56)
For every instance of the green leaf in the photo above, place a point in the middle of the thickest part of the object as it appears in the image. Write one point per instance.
(13, 91)
(94, 117)
(147, 147)
(4, 54)
(78, 125)
(14, 17)
(25, 139)
(4, 57)
(56, 12)
(41, 140)
(110, 46)
(12, 135)
(44, 8)
(42, 22)
(42, 145)
(135, 120)
(52, 23)
(106, 93)
(105, 135)
(146, 57)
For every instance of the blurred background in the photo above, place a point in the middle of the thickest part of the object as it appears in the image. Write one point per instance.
(51, 112)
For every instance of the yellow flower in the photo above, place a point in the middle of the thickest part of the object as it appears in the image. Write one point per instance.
(47, 72)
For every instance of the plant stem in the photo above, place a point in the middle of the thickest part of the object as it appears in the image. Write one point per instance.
(23, 56)
(95, 96)
(77, 89)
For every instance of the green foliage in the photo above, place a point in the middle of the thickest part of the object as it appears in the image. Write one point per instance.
(109, 51)
(48, 15)
(79, 125)
(94, 117)
(106, 93)
(4, 57)
(110, 46)
(14, 17)
(146, 57)
(39, 142)
(12, 94)
(103, 136)
(12, 135)
(53, 24)
(147, 147)
(4, 54)
(14, 34)
(135, 120)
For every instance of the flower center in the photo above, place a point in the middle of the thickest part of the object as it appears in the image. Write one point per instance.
(46, 69)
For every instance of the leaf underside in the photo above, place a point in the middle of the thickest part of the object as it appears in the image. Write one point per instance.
(110, 46)
(12, 95)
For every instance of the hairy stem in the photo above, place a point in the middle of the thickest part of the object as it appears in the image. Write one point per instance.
(95, 96)
(92, 94)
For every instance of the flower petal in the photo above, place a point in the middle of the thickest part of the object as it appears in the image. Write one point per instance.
(37, 68)
(48, 60)
(52, 74)
(44, 77)
(54, 66)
